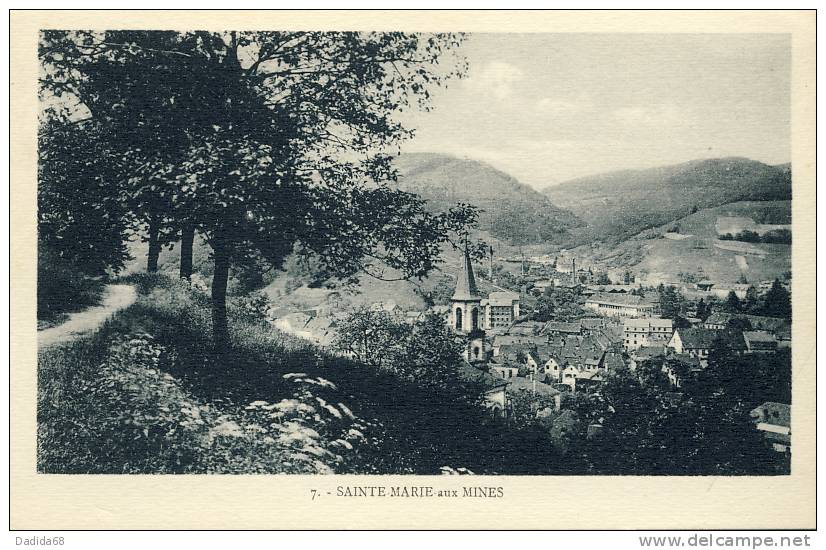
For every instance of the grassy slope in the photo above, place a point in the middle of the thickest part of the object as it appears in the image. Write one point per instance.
(660, 255)
(145, 395)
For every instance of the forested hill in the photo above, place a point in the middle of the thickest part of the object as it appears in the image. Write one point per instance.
(513, 212)
(618, 205)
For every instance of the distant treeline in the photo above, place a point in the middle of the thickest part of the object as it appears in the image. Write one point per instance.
(775, 236)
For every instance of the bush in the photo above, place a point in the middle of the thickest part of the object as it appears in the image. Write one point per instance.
(62, 287)
(140, 398)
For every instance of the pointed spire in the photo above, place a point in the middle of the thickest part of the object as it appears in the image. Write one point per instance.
(466, 282)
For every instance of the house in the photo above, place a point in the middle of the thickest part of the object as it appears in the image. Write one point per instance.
(705, 285)
(612, 361)
(717, 321)
(774, 325)
(680, 366)
(621, 305)
(759, 341)
(645, 331)
(613, 288)
(493, 389)
(515, 353)
(775, 421)
(646, 353)
(739, 289)
(390, 306)
(569, 376)
(555, 328)
(536, 387)
(697, 342)
(589, 379)
(505, 370)
(548, 360)
(525, 327)
(500, 340)
(542, 285)
(590, 324)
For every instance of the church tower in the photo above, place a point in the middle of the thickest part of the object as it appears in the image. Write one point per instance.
(465, 307)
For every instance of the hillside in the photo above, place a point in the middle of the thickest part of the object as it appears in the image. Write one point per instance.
(618, 205)
(513, 212)
(690, 245)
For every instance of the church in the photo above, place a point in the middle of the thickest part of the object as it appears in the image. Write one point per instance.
(471, 314)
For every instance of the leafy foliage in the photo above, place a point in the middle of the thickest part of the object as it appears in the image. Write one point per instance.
(261, 140)
(559, 304)
(775, 236)
(777, 301)
(646, 430)
(672, 303)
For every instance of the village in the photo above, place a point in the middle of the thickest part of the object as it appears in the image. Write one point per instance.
(614, 321)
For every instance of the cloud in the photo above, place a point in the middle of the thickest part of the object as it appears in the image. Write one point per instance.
(651, 115)
(496, 78)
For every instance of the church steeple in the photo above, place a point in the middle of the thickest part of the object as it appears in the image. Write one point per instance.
(466, 289)
(466, 305)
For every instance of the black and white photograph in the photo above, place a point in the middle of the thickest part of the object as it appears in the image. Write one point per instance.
(449, 253)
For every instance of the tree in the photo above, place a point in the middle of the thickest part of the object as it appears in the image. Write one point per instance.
(671, 302)
(681, 322)
(732, 304)
(739, 323)
(78, 219)
(439, 294)
(525, 405)
(751, 302)
(558, 304)
(778, 301)
(703, 311)
(372, 337)
(82, 229)
(650, 373)
(287, 143)
(704, 430)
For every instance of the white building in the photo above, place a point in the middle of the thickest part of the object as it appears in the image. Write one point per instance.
(501, 309)
(620, 305)
(646, 331)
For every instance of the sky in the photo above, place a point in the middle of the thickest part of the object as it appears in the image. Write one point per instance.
(547, 108)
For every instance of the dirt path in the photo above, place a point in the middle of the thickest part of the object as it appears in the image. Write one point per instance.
(115, 298)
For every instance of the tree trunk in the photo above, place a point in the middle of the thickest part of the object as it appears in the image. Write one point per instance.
(187, 237)
(154, 248)
(220, 329)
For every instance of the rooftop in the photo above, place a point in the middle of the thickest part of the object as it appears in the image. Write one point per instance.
(646, 322)
(502, 298)
(759, 336)
(703, 338)
(619, 299)
(519, 383)
(557, 326)
(470, 373)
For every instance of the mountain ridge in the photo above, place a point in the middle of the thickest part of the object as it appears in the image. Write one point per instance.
(511, 210)
(618, 205)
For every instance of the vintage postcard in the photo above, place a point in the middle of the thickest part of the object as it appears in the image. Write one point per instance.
(420, 270)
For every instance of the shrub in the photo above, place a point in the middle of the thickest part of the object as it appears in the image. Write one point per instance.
(62, 287)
